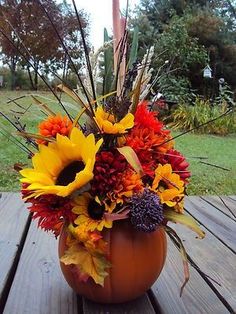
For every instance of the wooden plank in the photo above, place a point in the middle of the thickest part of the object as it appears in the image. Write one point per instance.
(214, 259)
(215, 221)
(197, 296)
(39, 286)
(225, 204)
(13, 220)
(139, 306)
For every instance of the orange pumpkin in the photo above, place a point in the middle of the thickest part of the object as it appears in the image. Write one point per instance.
(137, 259)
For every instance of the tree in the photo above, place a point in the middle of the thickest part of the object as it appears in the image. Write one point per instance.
(190, 34)
(31, 30)
(11, 54)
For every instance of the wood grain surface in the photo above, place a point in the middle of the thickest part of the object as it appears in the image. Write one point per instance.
(223, 203)
(215, 260)
(141, 305)
(13, 219)
(223, 227)
(39, 287)
(197, 296)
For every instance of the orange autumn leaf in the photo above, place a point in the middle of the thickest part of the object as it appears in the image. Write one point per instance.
(92, 264)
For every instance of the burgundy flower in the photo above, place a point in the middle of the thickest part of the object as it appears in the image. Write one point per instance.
(109, 166)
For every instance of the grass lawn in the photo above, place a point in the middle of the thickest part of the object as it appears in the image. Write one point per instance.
(220, 151)
(205, 179)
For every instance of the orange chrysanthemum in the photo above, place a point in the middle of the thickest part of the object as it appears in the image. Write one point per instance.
(148, 138)
(149, 146)
(54, 125)
(127, 185)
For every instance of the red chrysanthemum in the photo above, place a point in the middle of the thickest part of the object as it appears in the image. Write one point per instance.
(54, 125)
(52, 211)
(147, 119)
(178, 163)
(108, 167)
(24, 190)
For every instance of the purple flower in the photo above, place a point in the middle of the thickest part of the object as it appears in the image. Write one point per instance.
(146, 211)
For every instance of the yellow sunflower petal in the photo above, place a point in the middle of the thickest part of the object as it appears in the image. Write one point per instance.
(128, 121)
(107, 124)
(81, 219)
(51, 160)
(77, 136)
(89, 148)
(31, 175)
(81, 202)
(67, 150)
(38, 164)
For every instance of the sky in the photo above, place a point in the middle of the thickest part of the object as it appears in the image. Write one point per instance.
(100, 13)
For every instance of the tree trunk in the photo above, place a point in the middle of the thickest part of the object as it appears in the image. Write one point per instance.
(12, 67)
(36, 67)
(30, 77)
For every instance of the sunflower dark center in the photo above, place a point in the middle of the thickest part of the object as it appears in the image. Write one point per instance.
(163, 185)
(95, 210)
(68, 174)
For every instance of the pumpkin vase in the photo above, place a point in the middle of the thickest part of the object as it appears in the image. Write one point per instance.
(137, 259)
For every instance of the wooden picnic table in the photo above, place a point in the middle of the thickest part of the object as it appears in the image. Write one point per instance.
(31, 281)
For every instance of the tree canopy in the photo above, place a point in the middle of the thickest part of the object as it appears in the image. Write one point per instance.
(28, 38)
(189, 34)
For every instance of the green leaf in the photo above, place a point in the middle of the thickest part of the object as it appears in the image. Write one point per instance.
(132, 158)
(188, 221)
(134, 48)
(108, 64)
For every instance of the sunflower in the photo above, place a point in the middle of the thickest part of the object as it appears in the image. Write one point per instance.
(168, 185)
(91, 212)
(63, 166)
(107, 123)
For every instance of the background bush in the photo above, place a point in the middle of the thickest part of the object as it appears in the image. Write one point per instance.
(187, 117)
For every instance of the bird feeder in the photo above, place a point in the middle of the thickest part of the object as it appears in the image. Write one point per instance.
(207, 72)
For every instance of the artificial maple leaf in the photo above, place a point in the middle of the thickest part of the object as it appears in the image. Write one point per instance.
(92, 264)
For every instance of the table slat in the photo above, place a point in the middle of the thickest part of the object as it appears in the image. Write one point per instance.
(214, 259)
(197, 296)
(13, 221)
(215, 221)
(139, 306)
(217, 202)
(38, 286)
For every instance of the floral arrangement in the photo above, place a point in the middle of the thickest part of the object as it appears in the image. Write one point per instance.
(114, 161)
(123, 167)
